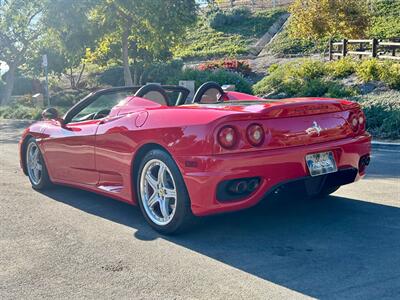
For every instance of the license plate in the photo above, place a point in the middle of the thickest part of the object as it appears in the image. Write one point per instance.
(321, 163)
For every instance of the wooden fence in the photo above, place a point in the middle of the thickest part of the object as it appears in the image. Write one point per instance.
(364, 48)
(254, 4)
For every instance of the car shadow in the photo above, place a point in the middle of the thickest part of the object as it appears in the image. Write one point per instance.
(331, 247)
(328, 248)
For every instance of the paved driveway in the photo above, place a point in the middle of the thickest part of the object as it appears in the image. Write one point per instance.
(67, 243)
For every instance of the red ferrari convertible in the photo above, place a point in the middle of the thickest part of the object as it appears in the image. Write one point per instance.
(177, 159)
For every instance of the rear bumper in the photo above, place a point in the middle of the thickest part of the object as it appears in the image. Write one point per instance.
(202, 174)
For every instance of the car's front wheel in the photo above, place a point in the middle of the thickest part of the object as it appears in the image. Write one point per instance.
(162, 194)
(36, 167)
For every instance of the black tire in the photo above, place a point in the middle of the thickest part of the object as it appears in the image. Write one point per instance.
(183, 218)
(44, 181)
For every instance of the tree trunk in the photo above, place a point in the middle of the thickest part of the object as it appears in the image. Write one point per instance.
(72, 78)
(80, 75)
(125, 58)
(10, 77)
(135, 77)
(141, 79)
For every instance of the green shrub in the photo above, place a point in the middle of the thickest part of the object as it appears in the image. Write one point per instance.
(227, 18)
(341, 68)
(372, 69)
(368, 70)
(309, 69)
(220, 76)
(242, 21)
(383, 114)
(25, 100)
(25, 85)
(162, 71)
(385, 19)
(67, 98)
(303, 77)
(336, 90)
(313, 88)
(223, 77)
(155, 72)
(385, 27)
(390, 74)
(274, 82)
(386, 7)
(20, 112)
(113, 76)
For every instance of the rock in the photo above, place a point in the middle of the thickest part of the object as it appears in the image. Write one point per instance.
(372, 86)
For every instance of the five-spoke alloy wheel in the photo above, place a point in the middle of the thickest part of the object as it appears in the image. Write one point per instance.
(162, 194)
(158, 192)
(35, 166)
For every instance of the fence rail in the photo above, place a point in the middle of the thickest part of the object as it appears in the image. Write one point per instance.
(254, 4)
(370, 48)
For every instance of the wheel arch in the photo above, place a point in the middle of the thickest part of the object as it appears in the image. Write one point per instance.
(139, 154)
(24, 144)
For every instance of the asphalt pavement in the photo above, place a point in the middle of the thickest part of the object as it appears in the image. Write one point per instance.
(72, 244)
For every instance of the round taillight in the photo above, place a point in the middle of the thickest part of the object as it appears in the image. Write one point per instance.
(255, 134)
(227, 137)
(361, 121)
(354, 122)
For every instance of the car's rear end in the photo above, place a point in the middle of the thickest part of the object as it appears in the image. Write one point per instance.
(308, 145)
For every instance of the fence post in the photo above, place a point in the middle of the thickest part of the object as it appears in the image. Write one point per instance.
(344, 50)
(374, 47)
(330, 49)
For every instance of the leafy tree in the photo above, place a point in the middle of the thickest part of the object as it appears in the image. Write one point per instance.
(322, 18)
(67, 34)
(143, 30)
(20, 27)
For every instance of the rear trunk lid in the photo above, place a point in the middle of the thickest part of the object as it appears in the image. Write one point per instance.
(291, 122)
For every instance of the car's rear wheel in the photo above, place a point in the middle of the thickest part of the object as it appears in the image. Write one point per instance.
(36, 167)
(162, 194)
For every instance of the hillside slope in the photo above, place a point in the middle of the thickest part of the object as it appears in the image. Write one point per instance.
(226, 34)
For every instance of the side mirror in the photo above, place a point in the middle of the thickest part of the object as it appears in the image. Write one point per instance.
(51, 114)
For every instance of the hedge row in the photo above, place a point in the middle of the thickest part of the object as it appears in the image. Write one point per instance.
(172, 73)
(315, 78)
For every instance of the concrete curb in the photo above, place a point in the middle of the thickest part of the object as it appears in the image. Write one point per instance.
(269, 35)
(386, 146)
